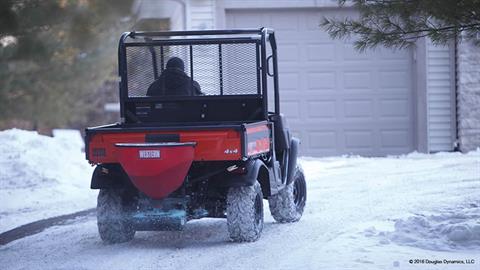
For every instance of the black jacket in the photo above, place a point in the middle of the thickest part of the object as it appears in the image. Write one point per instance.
(174, 82)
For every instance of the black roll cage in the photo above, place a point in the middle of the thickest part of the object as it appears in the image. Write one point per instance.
(260, 37)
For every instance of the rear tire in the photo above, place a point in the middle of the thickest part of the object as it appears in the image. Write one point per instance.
(288, 204)
(245, 213)
(112, 221)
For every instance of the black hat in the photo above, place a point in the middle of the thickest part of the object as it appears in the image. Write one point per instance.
(176, 62)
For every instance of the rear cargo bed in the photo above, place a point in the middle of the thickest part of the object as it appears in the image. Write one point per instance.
(213, 142)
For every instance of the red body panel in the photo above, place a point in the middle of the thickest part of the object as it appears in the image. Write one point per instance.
(156, 176)
(211, 144)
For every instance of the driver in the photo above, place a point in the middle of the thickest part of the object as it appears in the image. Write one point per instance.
(174, 82)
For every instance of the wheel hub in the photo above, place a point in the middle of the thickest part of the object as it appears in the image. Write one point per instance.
(299, 193)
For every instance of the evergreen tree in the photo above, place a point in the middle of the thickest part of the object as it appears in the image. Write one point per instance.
(54, 54)
(399, 23)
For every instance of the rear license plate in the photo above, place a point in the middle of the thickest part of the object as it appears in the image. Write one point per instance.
(149, 153)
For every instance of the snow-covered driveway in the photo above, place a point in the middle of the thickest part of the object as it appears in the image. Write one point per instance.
(361, 213)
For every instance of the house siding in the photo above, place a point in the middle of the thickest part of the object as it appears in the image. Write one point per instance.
(440, 84)
(279, 3)
(201, 14)
(170, 11)
(468, 95)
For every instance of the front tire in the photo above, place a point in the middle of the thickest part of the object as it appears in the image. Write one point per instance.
(245, 213)
(112, 222)
(288, 204)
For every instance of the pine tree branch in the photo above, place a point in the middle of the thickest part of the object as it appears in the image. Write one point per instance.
(397, 24)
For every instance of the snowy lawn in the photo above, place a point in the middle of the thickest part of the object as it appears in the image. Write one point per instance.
(42, 177)
(361, 213)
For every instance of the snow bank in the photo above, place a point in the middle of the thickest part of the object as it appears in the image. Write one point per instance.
(448, 230)
(41, 176)
(69, 138)
(454, 229)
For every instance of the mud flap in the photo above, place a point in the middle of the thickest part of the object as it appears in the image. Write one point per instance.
(109, 176)
(256, 170)
(292, 159)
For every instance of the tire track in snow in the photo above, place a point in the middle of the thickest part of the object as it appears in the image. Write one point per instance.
(40, 225)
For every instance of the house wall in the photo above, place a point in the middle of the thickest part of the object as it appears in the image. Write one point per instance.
(170, 10)
(279, 3)
(440, 96)
(201, 14)
(468, 95)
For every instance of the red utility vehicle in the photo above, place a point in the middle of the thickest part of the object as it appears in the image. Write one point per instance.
(178, 157)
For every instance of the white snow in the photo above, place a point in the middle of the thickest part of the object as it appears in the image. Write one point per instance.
(69, 137)
(41, 176)
(361, 213)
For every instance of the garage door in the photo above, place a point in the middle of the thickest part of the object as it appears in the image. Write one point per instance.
(338, 101)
